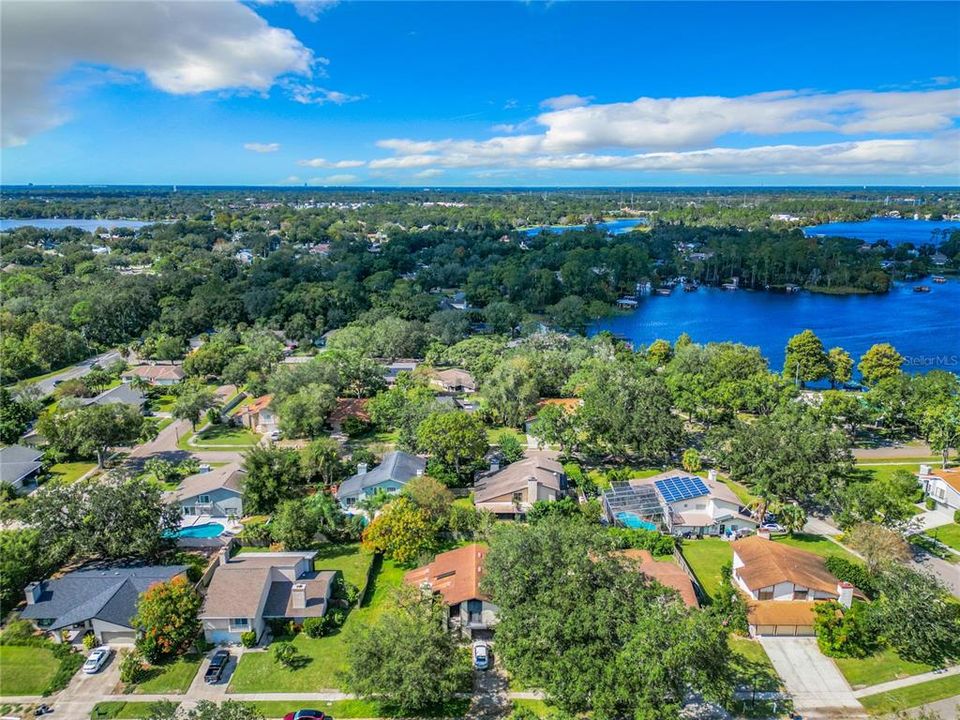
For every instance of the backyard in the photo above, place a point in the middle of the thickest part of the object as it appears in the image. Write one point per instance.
(706, 557)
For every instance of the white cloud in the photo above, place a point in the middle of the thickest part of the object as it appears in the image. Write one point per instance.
(261, 147)
(428, 173)
(309, 9)
(335, 164)
(565, 102)
(342, 179)
(309, 94)
(180, 47)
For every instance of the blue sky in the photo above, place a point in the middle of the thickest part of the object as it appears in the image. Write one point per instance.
(506, 93)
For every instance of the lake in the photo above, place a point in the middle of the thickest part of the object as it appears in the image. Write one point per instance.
(614, 227)
(892, 230)
(924, 327)
(60, 223)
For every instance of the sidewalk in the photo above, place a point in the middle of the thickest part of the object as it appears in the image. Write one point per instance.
(906, 682)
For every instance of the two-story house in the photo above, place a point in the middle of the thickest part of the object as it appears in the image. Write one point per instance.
(510, 492)
(942, 485)
(217, 493)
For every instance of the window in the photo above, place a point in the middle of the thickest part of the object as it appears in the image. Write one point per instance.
(474, 612)
(204, 499)
(799, 594)
(765, 594)
(239, 624)
(517, 498)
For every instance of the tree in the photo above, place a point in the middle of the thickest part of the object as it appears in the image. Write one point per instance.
(887, 501)
(21, 561)
(879, 362)
(92, 430)
(163, 470)
(192, 404)
(510, 447)
(510, 392)
(843, 632)
(691, 460)
(167, 618)
(456, 442)
(320, 462)
(379, 653)
(843, 410)
(14, 417)
(205, 710)
(941, 425)
(298, 524)
(431, 496)
(879, 546)
(556, 426)
(402, 532)
(841, 366)
(622, 645)
(272, 475)
(106, 518)
(792, 517)
(305, 413)
(806, 361)
(659, 352)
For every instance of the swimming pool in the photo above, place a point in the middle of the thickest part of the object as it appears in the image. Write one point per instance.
(203, 530)
(634, 523)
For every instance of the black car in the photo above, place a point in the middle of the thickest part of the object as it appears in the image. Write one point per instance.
(217, 664)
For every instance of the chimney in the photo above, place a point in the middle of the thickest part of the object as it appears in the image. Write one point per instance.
(845, 593)
(33, 591)
(362, 469)
(924, 469)
(494, 464)
(419, 472)
(532, 494)
(223, 556)
(298, 596)
(712, 476)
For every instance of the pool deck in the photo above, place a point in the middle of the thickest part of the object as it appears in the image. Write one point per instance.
(191, 521)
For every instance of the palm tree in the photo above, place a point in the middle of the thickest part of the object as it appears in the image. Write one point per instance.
(792, 517)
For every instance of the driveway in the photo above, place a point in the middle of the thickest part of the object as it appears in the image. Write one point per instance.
(76, 701)
(817, 687)
(164, 446)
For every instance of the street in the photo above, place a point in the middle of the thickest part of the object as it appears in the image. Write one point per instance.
(47, 385)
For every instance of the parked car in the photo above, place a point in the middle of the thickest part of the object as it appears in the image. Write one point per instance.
(304, 715)
(773, 527)
(96, 660)
(218, 664)
(275, 435)
(481, 655)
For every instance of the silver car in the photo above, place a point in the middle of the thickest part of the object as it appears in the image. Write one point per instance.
(96, 660)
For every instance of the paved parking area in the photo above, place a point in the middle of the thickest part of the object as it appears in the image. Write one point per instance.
(817, 687)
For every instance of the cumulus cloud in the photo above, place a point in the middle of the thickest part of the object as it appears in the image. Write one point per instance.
(341, 179)
(180, 47)
(565, 102)
(336, 164)
(261, 147)
(856, 133)
(309, 94)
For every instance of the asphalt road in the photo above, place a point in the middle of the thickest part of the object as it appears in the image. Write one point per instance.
(75, 371)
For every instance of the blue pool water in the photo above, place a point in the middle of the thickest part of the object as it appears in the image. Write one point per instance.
(204, 530)
(634, 523)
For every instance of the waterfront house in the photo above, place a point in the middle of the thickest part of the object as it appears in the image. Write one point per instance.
(456, 576)
(250, 589)
(102, 601)
(217, 493)
(391, 475)
(942, 485)
(510, 492)
(19, 465)
(156, 374)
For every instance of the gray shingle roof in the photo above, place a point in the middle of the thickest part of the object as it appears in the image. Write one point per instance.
(109, 595)
(120, 394)
(398, 466)
(227, 477)
(17, 461)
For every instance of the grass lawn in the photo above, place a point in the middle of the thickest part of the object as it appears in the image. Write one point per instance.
(745, 497)
(356, 709)
(121, 710)
(71, 471)
(705, 558)
(164, 422)
(538, 706)
(925, 541)
(348, 559)
(817, 544)
(173, 678)
(164, 403)
(880, 667)
(912, 696)
(326, 656)
(947, 534)
(219, 436)
(26, 670)
(883, 471)
(751, 664)
(493, 435)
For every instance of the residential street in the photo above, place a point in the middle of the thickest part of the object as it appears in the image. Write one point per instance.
(165, 446)
(79, 370)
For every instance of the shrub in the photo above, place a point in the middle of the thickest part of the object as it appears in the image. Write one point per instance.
(355, 426)
(315, 627)
(853, 573)
(70, 662)
(522, 712)
(843, 632)
(256, 534)
(278, 627)
(249, 638)
(931, 503)
(89, 641)
(285, 654)
(213, 415)
(335, 618)
(956, 516)
(653, 541)
(132, 667)
(728, 604)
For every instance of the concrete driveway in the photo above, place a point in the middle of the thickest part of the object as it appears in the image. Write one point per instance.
(76, 701)
(817, 687)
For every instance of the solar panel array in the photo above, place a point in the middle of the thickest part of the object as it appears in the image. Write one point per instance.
(681, 488)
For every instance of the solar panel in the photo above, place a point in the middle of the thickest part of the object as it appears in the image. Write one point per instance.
(681, 488)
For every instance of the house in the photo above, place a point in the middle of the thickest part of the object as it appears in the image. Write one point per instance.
(695, 506)
(568, 405)
(939, 259)
(260, 417)
(19, 464)
(122, 394)
(456, 576)
(251, 588)
(782, 584)
(941, 485)
(392, 370)
(454, 380)
(217, 493)
(396, 470)
(512, 491)
(346, 409)
(100, 600)
(664, 572)
(156, 374)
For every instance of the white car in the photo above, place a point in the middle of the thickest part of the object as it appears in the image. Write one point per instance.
(96, 660)
(773, 527)
(481, 655)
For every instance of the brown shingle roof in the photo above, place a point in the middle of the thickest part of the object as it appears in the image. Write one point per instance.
(455, 574)
(350, 407)
(454, 376)
(780, 612)
(666, 573)
(514, 477)
(766, 563)
(259, 404)
(317, 588)
(228, 477)
(157, 372)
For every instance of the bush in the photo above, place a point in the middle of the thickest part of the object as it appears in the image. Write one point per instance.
(930, 503)
(510, 447)
(213, 415)
(315, 627)
(853, 573)
(70, 662)
(335, 618)
(653, 541)
(132, 667)
(843, 632)
(256, 534)
(355, 426)
(249, 638)
(285, 654)
(89, 641)
(956, 516)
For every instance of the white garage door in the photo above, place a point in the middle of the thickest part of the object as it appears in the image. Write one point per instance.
(118, 638)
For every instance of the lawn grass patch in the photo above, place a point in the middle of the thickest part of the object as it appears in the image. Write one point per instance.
(494, 433)
(26, 670)
(706, 557)
(882, 666)
(121, 710)
(539, 707)
(358, 708)
(349, 559)
(172, 678)
(69, 472)
(912, 695)
(752, 666)
(214, 437)
(947, 534)
(816, 544)
(745, 497)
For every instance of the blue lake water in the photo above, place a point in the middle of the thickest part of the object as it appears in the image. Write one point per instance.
(924, 327)
(60, 223)
(892, 230)
(614, 227)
